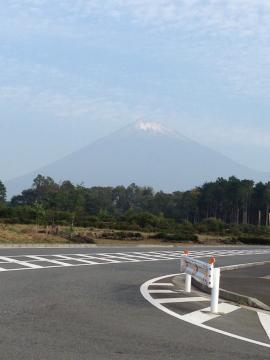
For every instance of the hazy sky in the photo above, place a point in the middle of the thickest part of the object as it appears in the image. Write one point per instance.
(74, 70)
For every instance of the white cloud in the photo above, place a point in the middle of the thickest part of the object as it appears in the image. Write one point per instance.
(59, 105)
(245, 17)
(230, 36)
(217, 135)
(68, 96)
(74, 107)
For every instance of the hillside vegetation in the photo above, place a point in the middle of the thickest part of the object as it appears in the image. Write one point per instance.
(230, 211)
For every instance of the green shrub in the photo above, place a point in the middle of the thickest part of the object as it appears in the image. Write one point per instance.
(213, 225)
(121, 235)
(179, 237)
(147, 221)
(254, 240)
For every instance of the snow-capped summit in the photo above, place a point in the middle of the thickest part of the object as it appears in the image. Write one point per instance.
(154, 127)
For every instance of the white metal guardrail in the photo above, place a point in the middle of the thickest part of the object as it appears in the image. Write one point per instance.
(203, 272)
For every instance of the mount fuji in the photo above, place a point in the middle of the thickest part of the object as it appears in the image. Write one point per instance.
(146, 153)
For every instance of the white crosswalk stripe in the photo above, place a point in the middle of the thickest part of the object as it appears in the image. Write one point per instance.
(123, 258)
(55, 262)
(77, 259)
(100, 258)
(21, 263)
(27, 262)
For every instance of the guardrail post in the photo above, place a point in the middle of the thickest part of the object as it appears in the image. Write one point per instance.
(215, 291)
(188, 277)
(188, 283)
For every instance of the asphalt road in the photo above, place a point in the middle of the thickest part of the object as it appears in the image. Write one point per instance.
(97, 312)
(253, 282)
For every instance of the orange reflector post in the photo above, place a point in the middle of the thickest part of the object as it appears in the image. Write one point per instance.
(212, 260)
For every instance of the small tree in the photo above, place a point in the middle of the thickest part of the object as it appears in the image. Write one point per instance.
(40, 214)
(3, 192)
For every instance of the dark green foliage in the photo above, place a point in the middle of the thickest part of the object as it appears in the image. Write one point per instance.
(254, 240)
(78, 238)
(146, 221)
(178, 237)
(232, 207)
(211, 225)
(122, 235)
(3, 192)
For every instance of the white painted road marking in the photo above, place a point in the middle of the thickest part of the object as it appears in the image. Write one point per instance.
(78, 259)
(106, 260)
(199, 318)
(180, 300)
(32, 262)
(265, 321)
(161, 291)
(48, 260)
(116, 256)
(204, 315)
(162, 284)
(18, 262)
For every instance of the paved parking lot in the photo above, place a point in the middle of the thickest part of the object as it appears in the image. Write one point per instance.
(96, 311)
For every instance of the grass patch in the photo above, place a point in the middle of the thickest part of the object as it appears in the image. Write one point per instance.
(30, 234)
(24, 234)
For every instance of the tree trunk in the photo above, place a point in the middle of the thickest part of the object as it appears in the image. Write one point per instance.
(245, 213)
(215, 211)
(259, 218)
(237, 216)
(267, 215)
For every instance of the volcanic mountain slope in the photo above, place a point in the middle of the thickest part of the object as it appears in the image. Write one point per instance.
(146, 153)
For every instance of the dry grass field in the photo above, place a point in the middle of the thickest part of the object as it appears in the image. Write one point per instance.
(16, 234)
(31, 234)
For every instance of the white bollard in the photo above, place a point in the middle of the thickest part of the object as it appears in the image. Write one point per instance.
(215, 291)
(188, 277)
(188, 283)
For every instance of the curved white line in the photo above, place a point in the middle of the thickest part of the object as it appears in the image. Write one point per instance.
(148, 297)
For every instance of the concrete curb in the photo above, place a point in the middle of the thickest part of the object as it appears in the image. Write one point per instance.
(55, 245)
(240, 299)
(38, 246)
(234, 297)
(242, 266)
(74, 245)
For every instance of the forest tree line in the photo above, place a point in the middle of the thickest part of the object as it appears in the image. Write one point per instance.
(232, 201)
